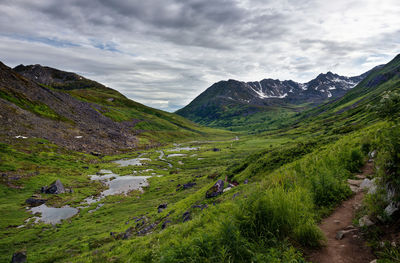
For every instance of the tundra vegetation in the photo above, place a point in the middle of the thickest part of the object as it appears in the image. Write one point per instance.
(278, 184)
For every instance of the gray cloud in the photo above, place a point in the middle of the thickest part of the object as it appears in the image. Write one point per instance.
(164, 53)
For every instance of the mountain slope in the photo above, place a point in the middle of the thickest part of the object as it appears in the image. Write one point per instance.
(222, 104)
(80, 114)
(357, 107)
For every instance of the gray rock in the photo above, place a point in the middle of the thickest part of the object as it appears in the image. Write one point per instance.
(164, 225)
(354, 189)
(365, 221)
(390, 192)
(146, 230)
(186, 216)
(200, 206)
(373, 189)
(216, 190)
(162, 207)
(340, 235)
(370, 185)
(391, 208)
(372, 154)
(55, 188)
(127, 234)
(366, 184)
(19, 257)
(227, 189)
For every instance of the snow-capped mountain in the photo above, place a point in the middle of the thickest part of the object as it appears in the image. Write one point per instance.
(324, 86)
(225, 95)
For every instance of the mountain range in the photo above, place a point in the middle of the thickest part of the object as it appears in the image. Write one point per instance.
(225, 101)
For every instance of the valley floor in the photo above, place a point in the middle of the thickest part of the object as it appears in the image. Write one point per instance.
(163, 204)
(176, 173)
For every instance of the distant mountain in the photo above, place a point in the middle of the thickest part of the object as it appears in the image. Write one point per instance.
(226, 101)
(79, 114)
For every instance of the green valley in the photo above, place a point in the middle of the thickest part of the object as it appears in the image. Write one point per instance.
(282, 171)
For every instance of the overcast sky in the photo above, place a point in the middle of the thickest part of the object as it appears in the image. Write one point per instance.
(163, 53)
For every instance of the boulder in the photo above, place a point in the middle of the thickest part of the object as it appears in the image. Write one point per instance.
(365, 221)
(370, 185)
(391, 209)
(366, 184)
(35, 201)
(19, 257)
(55, 188)
(164, 225)
(162, 207)
(186, 216)
(340, 235)
(374, 186)
(372, 154)
(216, 190)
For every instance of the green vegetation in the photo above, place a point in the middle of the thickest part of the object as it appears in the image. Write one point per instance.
(287, 179)
(35, 107)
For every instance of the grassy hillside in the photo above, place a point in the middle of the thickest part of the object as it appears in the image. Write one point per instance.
(66, 106)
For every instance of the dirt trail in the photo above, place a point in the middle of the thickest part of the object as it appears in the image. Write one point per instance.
(350, 248)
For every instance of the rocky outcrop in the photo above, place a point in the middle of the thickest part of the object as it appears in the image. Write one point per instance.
(365, 221)
(35, 201)
(55, 188)
(216, 190)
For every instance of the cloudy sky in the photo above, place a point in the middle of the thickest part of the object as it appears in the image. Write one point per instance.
(163, 53)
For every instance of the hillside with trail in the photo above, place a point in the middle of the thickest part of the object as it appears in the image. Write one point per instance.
(344, 241)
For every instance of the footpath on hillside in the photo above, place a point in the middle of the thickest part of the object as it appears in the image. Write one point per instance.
(345, 243)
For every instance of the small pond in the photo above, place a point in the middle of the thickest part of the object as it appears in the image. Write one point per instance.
(53, 215)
